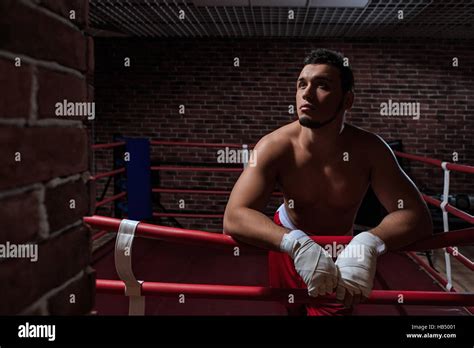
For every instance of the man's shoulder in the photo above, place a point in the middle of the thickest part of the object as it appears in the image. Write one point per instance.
(278, 143)
(366, 138)
(279, 139)
(372, 145)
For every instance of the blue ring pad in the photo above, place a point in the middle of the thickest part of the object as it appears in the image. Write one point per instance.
(138, 179)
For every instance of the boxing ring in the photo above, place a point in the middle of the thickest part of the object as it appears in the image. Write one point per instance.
(185, 270)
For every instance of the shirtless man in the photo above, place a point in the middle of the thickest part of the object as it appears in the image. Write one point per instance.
(324, 167)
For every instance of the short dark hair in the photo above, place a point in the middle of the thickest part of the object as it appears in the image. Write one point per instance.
(336, 59)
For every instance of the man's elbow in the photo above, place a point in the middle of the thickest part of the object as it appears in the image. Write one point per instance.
(226, 225)
(425, 226)
(229, 225)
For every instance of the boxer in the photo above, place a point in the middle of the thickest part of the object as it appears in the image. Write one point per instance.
(324, 167)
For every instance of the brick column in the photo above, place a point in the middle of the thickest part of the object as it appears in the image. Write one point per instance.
(45, 57)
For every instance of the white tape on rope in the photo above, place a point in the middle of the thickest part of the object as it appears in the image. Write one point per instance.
(444, 203)
(123, 265)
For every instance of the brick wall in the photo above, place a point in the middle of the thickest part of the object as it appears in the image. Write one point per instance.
(45, 57)
(228, 104)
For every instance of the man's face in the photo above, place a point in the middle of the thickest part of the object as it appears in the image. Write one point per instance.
(318, 92)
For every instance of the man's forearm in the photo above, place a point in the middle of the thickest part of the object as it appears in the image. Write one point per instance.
(252, 227)
(403, 227)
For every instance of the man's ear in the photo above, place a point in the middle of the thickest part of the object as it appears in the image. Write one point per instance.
(348, 100)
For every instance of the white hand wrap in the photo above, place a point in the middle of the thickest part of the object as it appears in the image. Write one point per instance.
(357, 264)
(312, 262)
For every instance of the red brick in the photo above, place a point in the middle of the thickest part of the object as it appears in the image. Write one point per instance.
(66, 254)
(83, 290)
(58, 206)
(20, 216)
(55, 87)
(34, 311)
(90, 57)
(17, 285)
(59, 259)
(63, 8)
(45, 153)
(15, 86)
(92, 189)
(29, 31)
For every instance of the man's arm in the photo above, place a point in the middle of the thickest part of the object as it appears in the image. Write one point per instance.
(408, 218)
(244, 220)
(243, 217)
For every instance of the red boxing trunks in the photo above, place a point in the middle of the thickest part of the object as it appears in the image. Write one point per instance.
(282, 274)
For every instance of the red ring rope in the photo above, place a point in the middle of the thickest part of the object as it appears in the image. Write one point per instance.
(260, 293)
(195, 169)
(191, 144)
(436, 162)
(173, 234)
(107, 146)
(450, 209)
(106, 174)
(110, 199)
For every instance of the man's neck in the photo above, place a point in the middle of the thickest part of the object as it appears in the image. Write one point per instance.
(323, 142)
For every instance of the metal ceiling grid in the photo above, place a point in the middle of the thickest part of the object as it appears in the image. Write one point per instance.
(160, 18)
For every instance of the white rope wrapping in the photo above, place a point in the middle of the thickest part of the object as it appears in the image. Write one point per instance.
(444, 203)
(123, 265)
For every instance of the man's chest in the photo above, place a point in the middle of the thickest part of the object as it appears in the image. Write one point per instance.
(339, 185)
